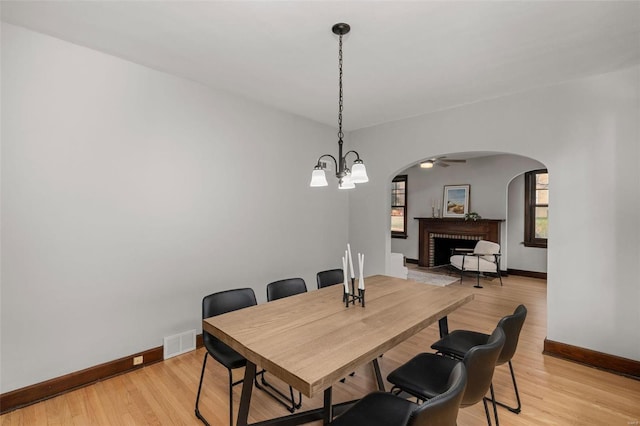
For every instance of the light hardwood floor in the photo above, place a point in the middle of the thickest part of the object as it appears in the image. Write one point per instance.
(553, 391)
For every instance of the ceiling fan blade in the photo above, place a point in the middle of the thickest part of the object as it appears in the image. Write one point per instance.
(441, 164)
(454, 161)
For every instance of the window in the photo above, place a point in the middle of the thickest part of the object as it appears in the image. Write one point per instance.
(399, 207)
(536, 208)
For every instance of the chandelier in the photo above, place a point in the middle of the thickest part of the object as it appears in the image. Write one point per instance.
(347, 178)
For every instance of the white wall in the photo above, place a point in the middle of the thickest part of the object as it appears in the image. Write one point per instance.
(488, 176)
(532, 259)
(129, 194)
(586, 133)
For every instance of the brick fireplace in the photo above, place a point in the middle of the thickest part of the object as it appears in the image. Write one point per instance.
(439, 235)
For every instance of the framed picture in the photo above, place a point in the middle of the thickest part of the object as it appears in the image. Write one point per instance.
(456, 200)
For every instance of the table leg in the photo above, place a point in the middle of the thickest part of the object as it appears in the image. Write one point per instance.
(444, 326)
(376, 370)
(245, 398)
(328, 407)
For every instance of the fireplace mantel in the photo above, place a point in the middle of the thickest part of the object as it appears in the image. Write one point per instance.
(481, 229)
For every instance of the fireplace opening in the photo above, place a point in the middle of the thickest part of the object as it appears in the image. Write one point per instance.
(443, 247)
(464, 233)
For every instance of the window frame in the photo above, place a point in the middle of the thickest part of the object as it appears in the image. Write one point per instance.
(530, 205)
(397, 234)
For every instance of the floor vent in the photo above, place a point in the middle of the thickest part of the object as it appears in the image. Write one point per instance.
(179, 343)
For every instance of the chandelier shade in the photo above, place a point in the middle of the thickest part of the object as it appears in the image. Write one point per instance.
(359, 172)
(346, 183)
(318, 177)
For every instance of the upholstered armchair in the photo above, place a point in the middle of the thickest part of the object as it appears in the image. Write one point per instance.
(485, 257)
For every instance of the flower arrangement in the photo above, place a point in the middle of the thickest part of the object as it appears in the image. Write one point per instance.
(472, 216)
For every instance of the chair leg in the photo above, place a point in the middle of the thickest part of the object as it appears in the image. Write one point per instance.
(296, 405)
(299, 403)
(486, 411)
(198, 415)
(478, 280)
(231, 384)
(288, 402)
(230, 398)
(515, 387)
(495, 407)
(500, 276)
(517, 409)
(353, 373)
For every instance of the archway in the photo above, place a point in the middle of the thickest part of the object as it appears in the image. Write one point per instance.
(489, 176)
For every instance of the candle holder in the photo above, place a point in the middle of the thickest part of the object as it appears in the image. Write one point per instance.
(350, 298)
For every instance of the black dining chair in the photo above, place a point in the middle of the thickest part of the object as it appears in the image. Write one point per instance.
(425, 375)
(285, 288)
(385, 409)
(278, 290)
(330, 277)
(458, 343)
(218, 304)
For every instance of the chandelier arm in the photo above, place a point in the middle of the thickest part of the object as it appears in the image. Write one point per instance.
(350, 152)
(330, 156)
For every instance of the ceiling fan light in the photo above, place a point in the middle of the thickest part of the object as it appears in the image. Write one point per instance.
(359, 172)
(426, 164)
(318, 178)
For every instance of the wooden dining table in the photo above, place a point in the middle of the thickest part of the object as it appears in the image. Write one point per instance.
(311, 340)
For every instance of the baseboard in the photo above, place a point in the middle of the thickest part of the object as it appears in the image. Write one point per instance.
(18, 398)
(414, 261)
(531, 274)
(612, 363)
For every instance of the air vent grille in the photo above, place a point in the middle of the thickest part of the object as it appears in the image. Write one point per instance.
(179, 343)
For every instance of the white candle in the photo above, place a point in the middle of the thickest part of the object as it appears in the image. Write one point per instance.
(344, 272)
(353, 273)
(361, 267)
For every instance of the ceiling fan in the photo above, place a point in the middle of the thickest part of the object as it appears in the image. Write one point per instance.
(438, 161)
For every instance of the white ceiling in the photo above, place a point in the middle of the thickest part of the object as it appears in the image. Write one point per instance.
(401, 59)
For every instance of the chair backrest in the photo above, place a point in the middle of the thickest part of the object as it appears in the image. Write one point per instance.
(480, 362)
(330, 277)
(285, 288)
(221, 303)
(442, 410)
(487, 247)
(511, 325)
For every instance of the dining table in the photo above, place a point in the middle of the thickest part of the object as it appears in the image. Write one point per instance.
(312, 340)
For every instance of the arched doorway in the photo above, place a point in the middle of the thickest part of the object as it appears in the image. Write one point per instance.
(495, 182)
